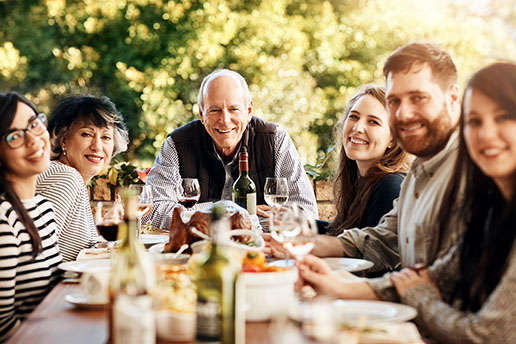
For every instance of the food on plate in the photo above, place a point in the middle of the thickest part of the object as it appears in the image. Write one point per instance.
(175, 290)
(254, 261)
(180, 232)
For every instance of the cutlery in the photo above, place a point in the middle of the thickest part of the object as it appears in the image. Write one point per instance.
(181, 249)
(199, 233)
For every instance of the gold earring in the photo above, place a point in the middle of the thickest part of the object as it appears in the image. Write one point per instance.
(64, 152)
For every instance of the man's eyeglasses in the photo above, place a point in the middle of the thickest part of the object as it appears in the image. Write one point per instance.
(15, 138)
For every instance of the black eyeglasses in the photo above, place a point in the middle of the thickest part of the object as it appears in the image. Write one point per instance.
(15, 138)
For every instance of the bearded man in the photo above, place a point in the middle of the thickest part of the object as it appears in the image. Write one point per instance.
(424, 108)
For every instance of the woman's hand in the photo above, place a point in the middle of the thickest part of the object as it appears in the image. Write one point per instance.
(272, 247)
(410, 277)
(318, 274)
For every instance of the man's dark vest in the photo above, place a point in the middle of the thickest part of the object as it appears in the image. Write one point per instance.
(198, 159)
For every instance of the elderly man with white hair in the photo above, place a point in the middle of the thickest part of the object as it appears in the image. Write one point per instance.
(207, 148)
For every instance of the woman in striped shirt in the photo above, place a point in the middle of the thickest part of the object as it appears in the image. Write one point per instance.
(28, 246)
(86, 132)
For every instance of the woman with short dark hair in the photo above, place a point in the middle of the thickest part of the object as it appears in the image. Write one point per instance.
(28, 251)
(86, 132)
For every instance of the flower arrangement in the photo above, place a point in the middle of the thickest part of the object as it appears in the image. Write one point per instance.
(118, 175)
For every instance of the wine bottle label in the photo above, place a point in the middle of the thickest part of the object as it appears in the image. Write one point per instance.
(133, 320)
(251, 203)
(209, 320)
(248, 202)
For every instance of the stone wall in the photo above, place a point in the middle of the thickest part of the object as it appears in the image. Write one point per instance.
(324, 196)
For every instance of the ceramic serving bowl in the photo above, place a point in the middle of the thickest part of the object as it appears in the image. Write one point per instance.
(256, 238)
(268, 294)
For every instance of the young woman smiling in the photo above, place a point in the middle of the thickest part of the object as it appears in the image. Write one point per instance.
(475, 298)
(86, 132)
(28, 248)
(371, 164)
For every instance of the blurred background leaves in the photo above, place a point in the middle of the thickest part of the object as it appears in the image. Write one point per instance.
(302, 59)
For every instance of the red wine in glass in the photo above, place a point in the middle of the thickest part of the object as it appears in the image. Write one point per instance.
(188, 202)
(108, 230)
(188, 192)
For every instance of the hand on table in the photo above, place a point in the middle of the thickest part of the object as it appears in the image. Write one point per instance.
(410, 277)
(272, 247)
(262, 210)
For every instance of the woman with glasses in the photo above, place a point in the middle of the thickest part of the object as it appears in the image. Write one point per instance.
(29, 253)
(86, 132)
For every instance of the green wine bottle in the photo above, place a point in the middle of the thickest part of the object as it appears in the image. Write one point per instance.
(131, 314)
(244, 190)
(216, 281)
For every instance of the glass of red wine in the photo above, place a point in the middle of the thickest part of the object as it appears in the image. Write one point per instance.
(188, 192)
(108, 216)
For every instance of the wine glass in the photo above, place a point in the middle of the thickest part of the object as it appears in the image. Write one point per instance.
(275, 191)
(144, 194)
(188, 192)
(282, 220)
(108, 216)
(299, 240)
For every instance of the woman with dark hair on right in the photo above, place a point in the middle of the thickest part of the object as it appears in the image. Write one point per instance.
(477, 279)
(29, 254)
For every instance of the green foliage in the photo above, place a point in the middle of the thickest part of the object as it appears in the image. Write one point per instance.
(302, 59)
(321, 171)
(119, 174)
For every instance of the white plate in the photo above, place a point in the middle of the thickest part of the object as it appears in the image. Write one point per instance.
(348, 264)
(350, 311)
(152, 239)
(81, 301)
(83, 265)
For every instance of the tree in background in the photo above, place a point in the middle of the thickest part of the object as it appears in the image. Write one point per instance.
(302, 59)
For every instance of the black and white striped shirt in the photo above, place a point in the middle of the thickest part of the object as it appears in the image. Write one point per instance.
(24, 281)
(64, 187)
(164, 176)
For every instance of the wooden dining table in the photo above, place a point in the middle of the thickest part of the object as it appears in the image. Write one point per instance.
(55, 321)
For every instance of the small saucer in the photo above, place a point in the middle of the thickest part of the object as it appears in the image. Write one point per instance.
(81, 301)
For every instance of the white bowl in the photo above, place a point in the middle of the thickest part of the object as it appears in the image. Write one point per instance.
(269, 294)
(175, 326)
(243, 248)
(198, 246)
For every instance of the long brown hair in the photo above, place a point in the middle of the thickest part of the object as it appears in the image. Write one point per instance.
(490, 220)
(8, 106)
(351, 191)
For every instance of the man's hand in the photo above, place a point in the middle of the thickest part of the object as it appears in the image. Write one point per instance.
(272, 247)
(262, 210)
(410, 277)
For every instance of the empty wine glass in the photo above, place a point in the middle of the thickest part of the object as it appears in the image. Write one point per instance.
(108, 216)
(188, 192)
(144, 194)
(299, 240)
(275, 191)
(282, 220)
